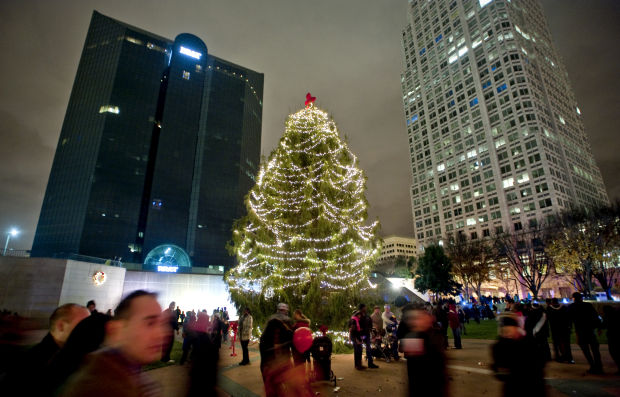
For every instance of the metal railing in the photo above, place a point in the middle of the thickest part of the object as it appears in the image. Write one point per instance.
(15, 253)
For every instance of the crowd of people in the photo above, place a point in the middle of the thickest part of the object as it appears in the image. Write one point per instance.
(86, 352)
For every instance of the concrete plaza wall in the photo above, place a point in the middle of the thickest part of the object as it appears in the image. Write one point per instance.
(78, 286)
(34, 287)
(189, 291)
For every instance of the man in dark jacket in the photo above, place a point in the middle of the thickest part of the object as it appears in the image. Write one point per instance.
(586, 320)
(611, 321)
(366, 325)
(423, 349)
(516, 360)
(134, 336)
(170, 315)
(537, 328)
(355, 335)
(275, 352)
(559, 322)
(37, 360)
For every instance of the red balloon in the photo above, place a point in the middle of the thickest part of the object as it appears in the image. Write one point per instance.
(302, 339)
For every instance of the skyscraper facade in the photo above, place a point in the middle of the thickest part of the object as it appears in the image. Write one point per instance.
(496, 138)
(159, 145)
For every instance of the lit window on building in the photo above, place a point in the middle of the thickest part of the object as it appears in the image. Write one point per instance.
(133, 40)
(186, 75)
(109, 109)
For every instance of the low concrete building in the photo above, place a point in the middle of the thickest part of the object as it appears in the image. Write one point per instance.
(395, 246)
(34, 287)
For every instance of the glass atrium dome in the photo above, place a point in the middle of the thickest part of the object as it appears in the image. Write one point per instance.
(168, 255)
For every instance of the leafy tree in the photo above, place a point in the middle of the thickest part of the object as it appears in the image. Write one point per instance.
(525, 255)
(586, 244)
(434, 272)
(404, 267)
(472, 261)
(304, 240)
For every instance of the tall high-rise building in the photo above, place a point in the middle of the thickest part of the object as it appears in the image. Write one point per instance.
(495, 134)
(159, 145)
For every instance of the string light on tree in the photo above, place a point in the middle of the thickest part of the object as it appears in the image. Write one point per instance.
(306, 222)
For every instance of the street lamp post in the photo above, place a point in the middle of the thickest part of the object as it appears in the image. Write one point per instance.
(12, 233)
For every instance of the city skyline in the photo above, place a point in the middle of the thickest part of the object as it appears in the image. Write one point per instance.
(356, 77)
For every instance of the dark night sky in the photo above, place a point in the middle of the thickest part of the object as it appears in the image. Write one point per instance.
(346, 52)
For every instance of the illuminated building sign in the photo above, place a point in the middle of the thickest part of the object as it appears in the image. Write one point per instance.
(191, 53)
(167, 269)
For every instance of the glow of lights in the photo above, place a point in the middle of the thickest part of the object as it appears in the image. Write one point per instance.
(99, 278)
(306, 215)
(190, 53)
(167, 269)
(109, 109)
(14, 232)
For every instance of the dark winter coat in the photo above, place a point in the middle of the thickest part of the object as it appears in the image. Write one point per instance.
(585, 318)
(276, 342)
(559, 320)
(520, 366)
(426, 372)
(107, 373)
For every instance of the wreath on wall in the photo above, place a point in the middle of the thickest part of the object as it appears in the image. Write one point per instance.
(99, 278)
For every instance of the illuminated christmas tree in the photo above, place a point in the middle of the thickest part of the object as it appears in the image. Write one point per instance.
(305, 239)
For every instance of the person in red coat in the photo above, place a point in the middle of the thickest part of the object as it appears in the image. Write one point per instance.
(455, 324)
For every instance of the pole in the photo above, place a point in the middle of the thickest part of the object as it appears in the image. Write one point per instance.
(8, 237)
(233, 339)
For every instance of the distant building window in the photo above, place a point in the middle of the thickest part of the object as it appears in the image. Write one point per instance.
(509, 182)
(133, 40)
(501, 88)
(109, 109)
(186, 75)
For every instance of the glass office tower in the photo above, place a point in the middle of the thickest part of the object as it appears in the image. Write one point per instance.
(160, 143)
(496, 138)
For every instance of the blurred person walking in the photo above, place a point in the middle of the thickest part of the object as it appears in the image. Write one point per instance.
(537, 327)
(559, 323)
(300, 321)
(455, 324)
(423, 349)
(38, 360)
(611, 321)
(204, 359)
(170, 315)
(586, 320)
(134, 338)
(275, 353)
(516, 361)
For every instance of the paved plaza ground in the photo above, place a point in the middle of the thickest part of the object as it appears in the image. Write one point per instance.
(468, 369)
